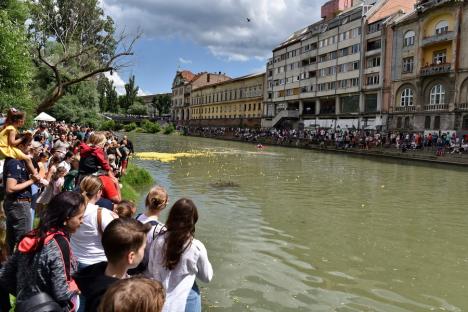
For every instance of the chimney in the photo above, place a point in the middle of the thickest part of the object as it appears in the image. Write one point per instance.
(208, 77)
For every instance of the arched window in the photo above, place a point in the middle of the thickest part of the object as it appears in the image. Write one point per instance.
(408, 39)
(437, 95)
(406, 98)
(441, 27)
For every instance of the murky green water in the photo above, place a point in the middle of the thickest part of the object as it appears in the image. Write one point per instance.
(309, 231)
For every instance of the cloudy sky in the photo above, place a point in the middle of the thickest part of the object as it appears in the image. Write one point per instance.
(204, 35)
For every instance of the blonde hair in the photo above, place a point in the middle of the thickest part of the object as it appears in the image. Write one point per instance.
(156, 198)
(136, 294)
(90, 186)
(97, 139)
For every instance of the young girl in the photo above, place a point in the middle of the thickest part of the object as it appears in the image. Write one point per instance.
(93, 157)
(8, 141)
(176, 259)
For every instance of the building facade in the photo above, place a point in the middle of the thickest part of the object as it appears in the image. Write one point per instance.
(430, 72)
(183, 84)
(234, 103)
(331, 73)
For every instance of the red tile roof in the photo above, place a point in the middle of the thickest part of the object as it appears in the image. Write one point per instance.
(187, 75)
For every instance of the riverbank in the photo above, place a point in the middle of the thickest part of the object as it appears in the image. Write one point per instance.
(134, 179)
(379, 152)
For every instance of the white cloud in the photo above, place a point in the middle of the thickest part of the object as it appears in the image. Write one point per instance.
(219, 25)
(184, 61)
(119, 84)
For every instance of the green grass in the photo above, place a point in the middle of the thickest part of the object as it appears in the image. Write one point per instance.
(135, 178)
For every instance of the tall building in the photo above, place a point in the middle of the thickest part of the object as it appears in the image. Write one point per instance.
(183, 84)
(430, 68)
(330, 74)
(233, 103)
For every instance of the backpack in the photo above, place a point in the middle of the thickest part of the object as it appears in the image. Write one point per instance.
(42, 301)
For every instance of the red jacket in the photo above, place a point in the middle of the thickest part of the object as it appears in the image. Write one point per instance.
(91, 158)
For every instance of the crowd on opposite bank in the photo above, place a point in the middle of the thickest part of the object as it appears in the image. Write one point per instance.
(89, 252)
(439, 142)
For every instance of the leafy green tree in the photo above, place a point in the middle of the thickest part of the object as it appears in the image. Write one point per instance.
(131, 94)
(15, 64)
(74, 40)
(112, 98)
(162, 102)
(137, 108)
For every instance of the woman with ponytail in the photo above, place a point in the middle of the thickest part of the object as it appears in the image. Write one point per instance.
(176, 259)
(86, 242)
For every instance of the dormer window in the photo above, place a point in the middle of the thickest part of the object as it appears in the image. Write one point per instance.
(441, 27)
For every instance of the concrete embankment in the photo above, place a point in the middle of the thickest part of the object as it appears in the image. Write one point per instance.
(427, 156)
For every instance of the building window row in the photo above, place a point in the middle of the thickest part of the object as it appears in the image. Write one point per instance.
(350, 34)
(228, 95)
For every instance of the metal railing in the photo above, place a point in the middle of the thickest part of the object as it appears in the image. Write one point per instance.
(435, 69)
(445, 36)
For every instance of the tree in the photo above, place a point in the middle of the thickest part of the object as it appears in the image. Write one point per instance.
(162, 102)
(112, 98)
(75, 41)
(15, 64)
(131, 94)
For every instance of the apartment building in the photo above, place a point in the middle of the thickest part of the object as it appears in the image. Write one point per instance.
(183, 84)
(330, 74)
(233, 103)
(430, 72)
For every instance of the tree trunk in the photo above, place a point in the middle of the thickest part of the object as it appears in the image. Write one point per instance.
(51, 99)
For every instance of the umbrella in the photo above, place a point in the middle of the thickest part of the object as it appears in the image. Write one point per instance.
(44, 117)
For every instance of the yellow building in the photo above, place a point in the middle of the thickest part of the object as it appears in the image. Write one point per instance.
(232, 103)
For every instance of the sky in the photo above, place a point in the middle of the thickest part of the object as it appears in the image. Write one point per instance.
(235, 37)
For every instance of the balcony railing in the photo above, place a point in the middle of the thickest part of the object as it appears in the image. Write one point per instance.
(446, 36)
(436, 107)
(435, 69)
(405, 109)
(463, 106)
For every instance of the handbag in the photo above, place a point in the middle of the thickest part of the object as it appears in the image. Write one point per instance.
(40, 302)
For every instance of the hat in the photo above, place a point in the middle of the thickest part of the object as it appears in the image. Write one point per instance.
(36, 144)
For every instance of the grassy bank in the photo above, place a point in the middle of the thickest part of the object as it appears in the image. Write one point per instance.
(135, 179)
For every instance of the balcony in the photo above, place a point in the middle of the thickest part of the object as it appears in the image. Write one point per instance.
(405, 109)
(435, 69)
(447, 36)
(436, 107)
(463, 106)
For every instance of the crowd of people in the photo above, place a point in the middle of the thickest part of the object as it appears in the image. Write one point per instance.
(74, 244)
(439, 142)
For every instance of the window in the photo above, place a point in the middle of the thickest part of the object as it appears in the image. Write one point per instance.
(373, 45)
(437, 123)
(427, 122)
(439, 57)
(408, 65)
(373, 62)
(437, 95)
(408, 39)
(355, 65)
(406, 98)
(407, 122)
(374, 27)
(441, 28)
(355, 48)
(372, 80)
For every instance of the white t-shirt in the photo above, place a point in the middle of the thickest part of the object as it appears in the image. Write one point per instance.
(193, 264)
(86, 241)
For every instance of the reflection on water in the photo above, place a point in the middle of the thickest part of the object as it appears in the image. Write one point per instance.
(295, 230)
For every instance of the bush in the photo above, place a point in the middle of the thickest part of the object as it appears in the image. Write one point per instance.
(150, 127)
(136, 176)
(168, 129)
(130, 127)
(107, 125)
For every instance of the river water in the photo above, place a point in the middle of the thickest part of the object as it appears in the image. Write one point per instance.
(298, 230)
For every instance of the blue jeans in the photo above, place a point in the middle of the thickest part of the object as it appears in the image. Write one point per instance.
(82, 306)
(193, 300)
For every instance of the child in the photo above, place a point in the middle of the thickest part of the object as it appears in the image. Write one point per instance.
(124, 242)
(125, 209)
(72, 176)
(8, 141)
(137, 294)
(54, 187)
(92, 156)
